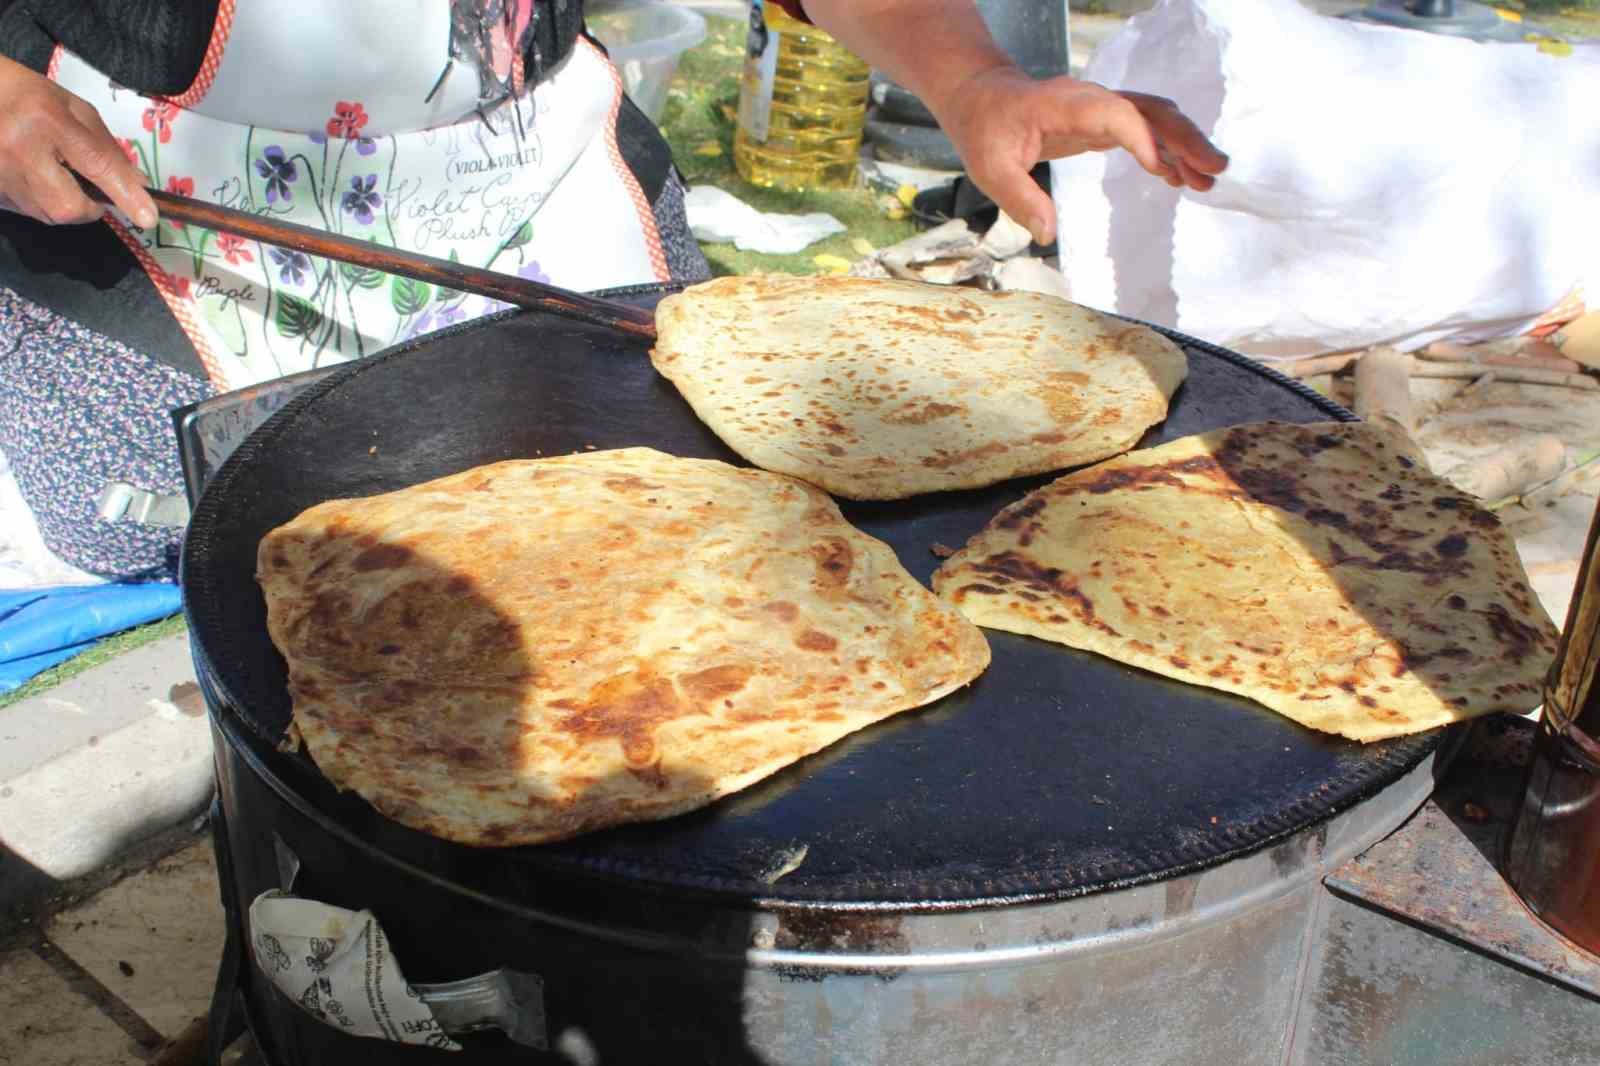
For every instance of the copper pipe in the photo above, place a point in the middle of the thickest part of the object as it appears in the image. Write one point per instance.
(1553, 851)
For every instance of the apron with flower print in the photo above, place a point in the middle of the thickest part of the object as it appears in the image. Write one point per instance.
(394, 121)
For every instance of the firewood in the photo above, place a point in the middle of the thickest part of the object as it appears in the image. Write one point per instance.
(1321, 364)
(1524, 375)
(1511, 470)
(1383, 388)
(1531, 354)
(1572, 479)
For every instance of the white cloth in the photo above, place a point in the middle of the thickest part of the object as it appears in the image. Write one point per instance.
(316, 114)
(25, 561)
(1385, 185)
(719, 216)
(338, 967)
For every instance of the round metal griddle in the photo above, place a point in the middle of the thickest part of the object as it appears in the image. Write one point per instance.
(1057, 773)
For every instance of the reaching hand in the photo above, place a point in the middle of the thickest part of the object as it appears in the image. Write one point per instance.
(1003, 122)
(44, 130)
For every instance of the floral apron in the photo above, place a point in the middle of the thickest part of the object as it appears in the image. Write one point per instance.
(349, 118)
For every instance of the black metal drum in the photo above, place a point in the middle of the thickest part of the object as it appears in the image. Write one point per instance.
(1065, 849)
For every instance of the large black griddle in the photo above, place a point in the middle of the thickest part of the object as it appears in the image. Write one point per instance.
(1057, 773)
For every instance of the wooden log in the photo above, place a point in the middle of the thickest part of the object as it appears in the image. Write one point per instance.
(1524, 375)
(1321, 364)
(1533, 354)
(1573, 479)
(1383, 388)
(1511, 470)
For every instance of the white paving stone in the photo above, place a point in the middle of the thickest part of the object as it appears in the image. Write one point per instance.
(43, 1022)
(154, 939)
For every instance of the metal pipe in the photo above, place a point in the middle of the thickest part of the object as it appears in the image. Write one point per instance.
(1553, 850)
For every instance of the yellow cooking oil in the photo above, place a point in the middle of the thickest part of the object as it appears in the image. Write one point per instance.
(802, 102)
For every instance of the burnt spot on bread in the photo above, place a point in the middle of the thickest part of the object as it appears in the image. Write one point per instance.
(1451, 547)
(381, 557)
(628, 708)
(629, 483)
(1015, 517)
(914, 414)
(1515, 635)
(1010, 569)
(815, 640)
(651, 776)
(1142, 477)
(782, 610)
(1416, 660)
(945, 460)
(834, 558)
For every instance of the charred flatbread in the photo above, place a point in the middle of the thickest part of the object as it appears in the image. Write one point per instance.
(533, 649)
(1318, 569)
(886, 389)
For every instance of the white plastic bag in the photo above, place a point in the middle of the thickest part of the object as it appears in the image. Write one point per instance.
(1385, 185)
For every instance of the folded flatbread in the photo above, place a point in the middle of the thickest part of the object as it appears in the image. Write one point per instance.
(886, 389)
(533, 649)
(1318, 569)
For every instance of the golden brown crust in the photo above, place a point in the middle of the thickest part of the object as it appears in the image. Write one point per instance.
(887, 389)
(533, 649)
(1320, 570)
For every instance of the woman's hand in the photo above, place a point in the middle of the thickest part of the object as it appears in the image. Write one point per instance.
(1003, 122)
(44, 130)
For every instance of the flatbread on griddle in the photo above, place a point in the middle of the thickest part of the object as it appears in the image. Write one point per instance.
(886, 389)
(1320, 570)
(533, 649)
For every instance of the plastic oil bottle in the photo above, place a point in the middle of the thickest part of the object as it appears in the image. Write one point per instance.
(802, 102)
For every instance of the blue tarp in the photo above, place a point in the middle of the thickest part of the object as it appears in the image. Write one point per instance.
(42, 627)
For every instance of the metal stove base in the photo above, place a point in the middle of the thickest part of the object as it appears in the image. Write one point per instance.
(1413, 951)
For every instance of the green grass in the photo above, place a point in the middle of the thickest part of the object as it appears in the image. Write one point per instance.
(106, 650)
(702, 100)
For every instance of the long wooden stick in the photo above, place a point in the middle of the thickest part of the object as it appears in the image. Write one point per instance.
(1525, 375)
(1322, 364)
(491, 283)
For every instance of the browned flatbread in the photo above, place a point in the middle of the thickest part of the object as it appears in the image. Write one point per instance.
(534, 649)
(1320, 570)
(887, 389)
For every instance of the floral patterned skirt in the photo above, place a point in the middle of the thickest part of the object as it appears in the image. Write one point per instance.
(80, 409)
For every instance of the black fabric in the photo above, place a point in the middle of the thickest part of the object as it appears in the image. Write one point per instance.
(88, 275)
(23, 39)
(152, 46)
(157, 46)
(644, 149)
(1007, 789)
(556, 26)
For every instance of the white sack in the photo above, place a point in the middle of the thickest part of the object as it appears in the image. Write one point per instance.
(1385, 185)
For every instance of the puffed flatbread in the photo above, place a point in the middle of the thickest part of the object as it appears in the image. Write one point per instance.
(1318, 569)
(886, 389)
(534, 649)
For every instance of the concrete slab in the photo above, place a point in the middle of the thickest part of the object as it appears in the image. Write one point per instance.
(156, 679)
(98, 764)
(153, 940)
(47, 1023)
